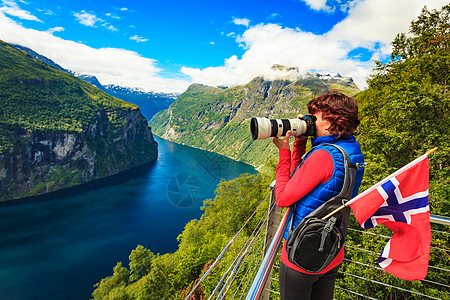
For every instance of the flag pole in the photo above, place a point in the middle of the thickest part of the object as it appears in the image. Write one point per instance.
(431, 151)
(380, 183)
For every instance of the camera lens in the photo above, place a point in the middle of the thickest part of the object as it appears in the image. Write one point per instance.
(262, 128)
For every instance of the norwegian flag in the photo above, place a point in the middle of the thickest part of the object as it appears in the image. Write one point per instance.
(400, 202)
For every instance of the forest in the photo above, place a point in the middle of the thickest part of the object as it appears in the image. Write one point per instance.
(404, 112)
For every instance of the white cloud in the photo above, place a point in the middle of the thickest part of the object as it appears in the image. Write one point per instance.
(109, 27)
(270, 44)
(317, 4)
(87, 19)
(55, 29)
(112, 16)
(243, 21)
(379, 20)
(138, 39)
(329, 6)
(274, 16)
(11, 8)
(370, 24)
(91, 20)
(109, 65)
(47, 12)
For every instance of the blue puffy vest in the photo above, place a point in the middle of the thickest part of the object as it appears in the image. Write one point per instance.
(325, 191)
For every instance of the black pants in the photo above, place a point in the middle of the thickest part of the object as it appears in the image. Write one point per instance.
(295, 285)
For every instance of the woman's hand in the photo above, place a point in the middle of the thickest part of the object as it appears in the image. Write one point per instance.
(282, 143)
(302, 139)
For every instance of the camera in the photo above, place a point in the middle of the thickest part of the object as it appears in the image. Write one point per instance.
(262, 128)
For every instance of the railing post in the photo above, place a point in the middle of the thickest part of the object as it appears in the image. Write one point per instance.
(272, 226)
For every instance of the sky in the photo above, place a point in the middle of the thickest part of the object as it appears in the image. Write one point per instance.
(164, 46)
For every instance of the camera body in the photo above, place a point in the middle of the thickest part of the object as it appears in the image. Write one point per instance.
(262, 128)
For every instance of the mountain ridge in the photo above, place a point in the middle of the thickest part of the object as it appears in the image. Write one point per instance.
(150, 102)
(218, 119)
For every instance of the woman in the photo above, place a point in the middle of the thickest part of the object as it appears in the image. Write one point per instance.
(317, 180)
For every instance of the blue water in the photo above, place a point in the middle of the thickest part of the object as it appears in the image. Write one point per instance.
(59, 248)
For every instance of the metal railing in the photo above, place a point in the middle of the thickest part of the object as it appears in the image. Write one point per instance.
(440, 220)
(259, 283)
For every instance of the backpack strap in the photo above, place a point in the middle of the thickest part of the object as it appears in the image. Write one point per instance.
(350, 175)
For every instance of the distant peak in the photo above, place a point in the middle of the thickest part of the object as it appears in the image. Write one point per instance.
(137, 91)
(282, 72)
(283, 68)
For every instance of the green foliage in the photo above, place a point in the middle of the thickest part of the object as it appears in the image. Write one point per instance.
(429, 34)
(59, 177)
(140, 262)
(113, 287)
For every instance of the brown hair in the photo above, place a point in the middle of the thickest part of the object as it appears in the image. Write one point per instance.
(340, 110)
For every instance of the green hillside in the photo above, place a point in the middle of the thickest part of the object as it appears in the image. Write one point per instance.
(37, 97)
(218, 119)
(57, 131)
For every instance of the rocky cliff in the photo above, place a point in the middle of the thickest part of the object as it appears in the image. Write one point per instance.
(218, 118)
(56, 131)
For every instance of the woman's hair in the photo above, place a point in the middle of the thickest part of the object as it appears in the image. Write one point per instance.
(340, 110)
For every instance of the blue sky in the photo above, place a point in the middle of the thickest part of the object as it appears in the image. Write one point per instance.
(167, 45)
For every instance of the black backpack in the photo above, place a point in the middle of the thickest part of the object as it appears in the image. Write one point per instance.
(315, 242)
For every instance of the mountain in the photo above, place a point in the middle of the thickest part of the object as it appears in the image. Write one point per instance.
(89, 79)
(149, 102)
(36, 55)
(57, 131)
(218, 118)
